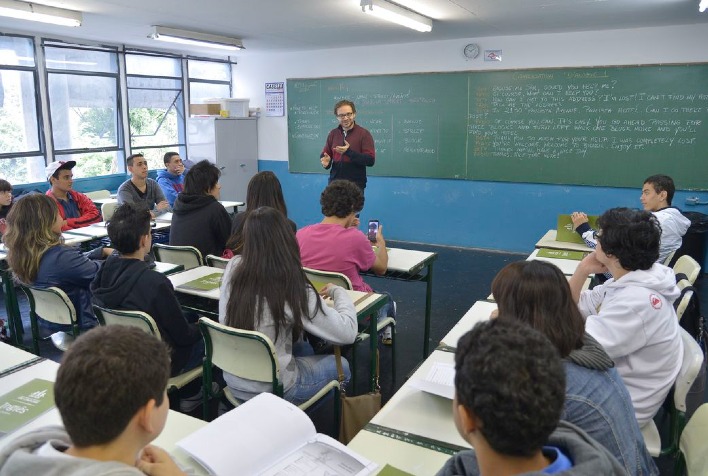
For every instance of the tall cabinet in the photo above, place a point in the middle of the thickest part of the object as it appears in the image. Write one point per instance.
(231, 144)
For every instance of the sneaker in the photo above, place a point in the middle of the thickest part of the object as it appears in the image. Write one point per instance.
(189, 404)
(62, 340)
(387, 336)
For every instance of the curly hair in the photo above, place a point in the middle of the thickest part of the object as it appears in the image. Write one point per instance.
(632, 236)
(511, 378)
(341, 198)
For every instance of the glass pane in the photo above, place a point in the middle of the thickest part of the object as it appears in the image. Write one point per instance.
(93, 164)
(16, 51)
(209, 70)
(142, 82)
(23, 170)
(153, 66)
(155, 157)
(18, 112)
(200, 91)
(84, 111)
(80, 60)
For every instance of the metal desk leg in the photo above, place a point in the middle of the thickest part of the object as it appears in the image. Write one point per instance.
(374, 347)
(428, 305)
(14, 319)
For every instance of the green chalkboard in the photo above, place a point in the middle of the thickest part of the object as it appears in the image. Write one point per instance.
(610, 126)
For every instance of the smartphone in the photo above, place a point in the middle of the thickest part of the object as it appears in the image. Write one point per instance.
(373, 230)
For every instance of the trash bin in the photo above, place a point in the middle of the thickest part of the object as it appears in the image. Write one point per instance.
(694, 241)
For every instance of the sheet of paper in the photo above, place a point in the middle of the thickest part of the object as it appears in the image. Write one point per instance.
(440, 380)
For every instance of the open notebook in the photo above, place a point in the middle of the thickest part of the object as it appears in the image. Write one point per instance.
(270, 436)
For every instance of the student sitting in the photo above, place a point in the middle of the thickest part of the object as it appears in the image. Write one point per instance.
(141, 189)
(509, 393)
(5, 203)
(657, 194)
(171, 178)
(336, 244)
(199, 219)
(632, 315)
(264, 190)
(38, 258)
(596, 400)
(110, 392)
(265, 289)
(76, 209)
(127, 282)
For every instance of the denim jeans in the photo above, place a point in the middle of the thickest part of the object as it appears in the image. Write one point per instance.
(598, 402)
(314, 371)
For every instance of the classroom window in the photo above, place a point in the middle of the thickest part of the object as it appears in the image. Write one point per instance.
(21, 157)
(84, 105)
(155, 107)
(208, 80)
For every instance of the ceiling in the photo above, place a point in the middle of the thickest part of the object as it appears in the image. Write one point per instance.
(286, 25)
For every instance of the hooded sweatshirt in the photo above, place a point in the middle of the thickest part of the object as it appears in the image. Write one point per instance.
(131, 285)
(42, 452)
(634, 319)
(588, 456)
(200, 221)
(170, 184)
(673, 226)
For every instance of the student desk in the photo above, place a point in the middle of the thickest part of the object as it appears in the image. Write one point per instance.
(177, 427)
(226, 203)
(13, 359)
(480, 311)
(567, 266)
(549, 241)
(408, 265)
(168, 268)
(366, 305)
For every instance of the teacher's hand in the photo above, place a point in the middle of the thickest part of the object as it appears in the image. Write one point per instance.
(342, 148)
(325, 160)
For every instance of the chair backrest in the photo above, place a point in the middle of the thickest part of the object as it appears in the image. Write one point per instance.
(246, 354)
(187, 256)
(139, 319)
(96, 194)
(684, 300)
(108, 209)
(51, 304)
(216, 261)
(320, 278)
(694, 443)
(690, 366)
(687, 266)
(669, 257)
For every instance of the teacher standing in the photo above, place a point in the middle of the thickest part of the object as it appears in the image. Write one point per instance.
(349, 148)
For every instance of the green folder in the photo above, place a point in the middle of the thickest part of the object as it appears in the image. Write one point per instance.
(565, 232)
(24, 404)
(561, 254)
(205, 283)
(389, 470)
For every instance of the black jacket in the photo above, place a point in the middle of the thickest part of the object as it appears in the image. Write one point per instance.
(130, 284)
(200, 221)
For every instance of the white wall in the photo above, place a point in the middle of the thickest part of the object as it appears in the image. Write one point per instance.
(681, 44)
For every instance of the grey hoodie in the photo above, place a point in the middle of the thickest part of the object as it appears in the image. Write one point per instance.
(20, 458)
(588, 456)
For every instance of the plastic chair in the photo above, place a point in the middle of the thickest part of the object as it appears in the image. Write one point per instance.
(690, 367)
(687, 266)
(98, 194)
(108, 209)
(685, 300)
(693, 445)
(319, 279)
(249, 355)
(669, 257)
(53, 305)
(216, 261)
(142, 320)
(187, 256)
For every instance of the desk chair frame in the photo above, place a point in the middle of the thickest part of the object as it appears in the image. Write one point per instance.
(143, 321)
(693, 445)
(53, 305)
(251, 355)
(98, 194)
(108, 209)
(187, 256)
(216, 261)
(687, 266)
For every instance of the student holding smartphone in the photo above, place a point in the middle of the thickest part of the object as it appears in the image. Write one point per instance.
(336, 244)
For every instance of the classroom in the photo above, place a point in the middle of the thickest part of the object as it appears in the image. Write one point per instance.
(496, 220)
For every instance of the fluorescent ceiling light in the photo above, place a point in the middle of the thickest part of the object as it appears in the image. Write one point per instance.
(41, 13)
(194, 38)
(397, 14)
(702, 6)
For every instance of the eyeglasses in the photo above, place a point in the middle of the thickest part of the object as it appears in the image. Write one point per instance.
(345, 116)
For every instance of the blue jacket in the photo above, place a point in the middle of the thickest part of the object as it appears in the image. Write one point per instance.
(67, 268)
(170, 184)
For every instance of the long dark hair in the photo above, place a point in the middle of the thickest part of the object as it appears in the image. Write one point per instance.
(538, 294)
(270, 274)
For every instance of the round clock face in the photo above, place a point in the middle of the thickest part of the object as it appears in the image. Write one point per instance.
(471, 51)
